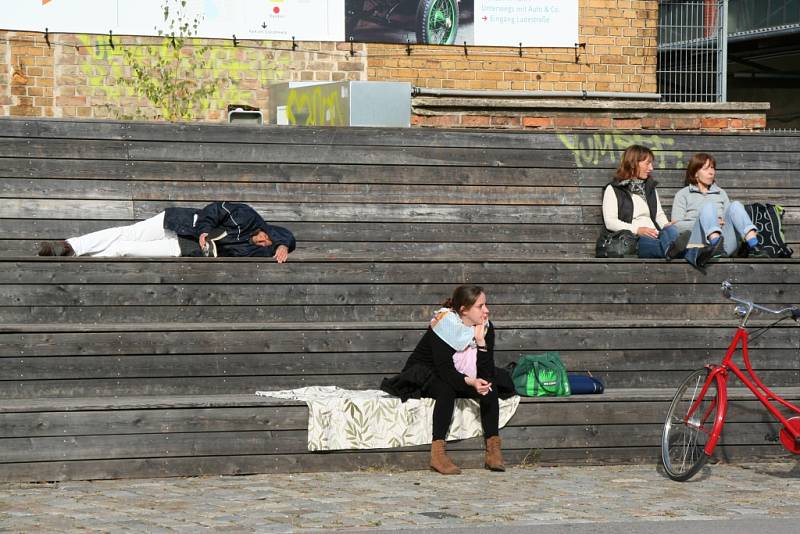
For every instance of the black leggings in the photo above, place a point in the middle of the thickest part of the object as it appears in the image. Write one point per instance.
(446, 397)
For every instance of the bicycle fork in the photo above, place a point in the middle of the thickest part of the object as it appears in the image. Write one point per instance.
(720, 402)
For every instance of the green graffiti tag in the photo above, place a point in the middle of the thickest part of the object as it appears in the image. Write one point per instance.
(248, 71)
(606, 148)
(315, 106)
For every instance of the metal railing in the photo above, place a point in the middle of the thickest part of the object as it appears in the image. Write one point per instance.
(692, 50)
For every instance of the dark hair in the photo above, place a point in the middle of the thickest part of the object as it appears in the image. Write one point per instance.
(463, 297)
(697, 162)
(629, 164)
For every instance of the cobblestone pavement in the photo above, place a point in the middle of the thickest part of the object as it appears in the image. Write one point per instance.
(385, 500)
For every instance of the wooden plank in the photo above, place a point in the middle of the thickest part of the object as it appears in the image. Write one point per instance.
(93, 447)
(675, 362)
(591, 141)
(68, 209)
(283, 192)
(116, 210)
(131, 314)
(274, 339)
(398, 252)
(750, 276)
(55, 424)
(227, 385)
(234, 172)
(400, 459)
(121, 422)
(233, 294)
(203, 193)
(170, 402)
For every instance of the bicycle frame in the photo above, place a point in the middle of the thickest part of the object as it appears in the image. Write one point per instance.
(721, 373)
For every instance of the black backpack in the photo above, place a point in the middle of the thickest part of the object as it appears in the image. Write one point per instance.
(767, 219)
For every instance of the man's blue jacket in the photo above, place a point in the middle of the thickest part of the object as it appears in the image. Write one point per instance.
(238, 221)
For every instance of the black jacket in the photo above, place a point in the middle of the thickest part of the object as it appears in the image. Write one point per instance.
(239, 221)
(434, 358)
(625, 203)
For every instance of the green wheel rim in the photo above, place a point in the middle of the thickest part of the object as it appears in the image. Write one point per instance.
(441, 22)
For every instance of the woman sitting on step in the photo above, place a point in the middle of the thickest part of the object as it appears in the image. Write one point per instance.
(630, 202)
(717, 225)
(455, 359)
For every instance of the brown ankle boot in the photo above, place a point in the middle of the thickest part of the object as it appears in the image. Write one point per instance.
(494, 458)
(439, 460)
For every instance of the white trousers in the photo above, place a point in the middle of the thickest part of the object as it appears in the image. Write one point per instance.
(144, 239)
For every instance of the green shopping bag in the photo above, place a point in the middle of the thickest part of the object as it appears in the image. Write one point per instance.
(541, 375)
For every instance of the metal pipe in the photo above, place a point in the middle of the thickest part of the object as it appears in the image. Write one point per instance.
(422, 91)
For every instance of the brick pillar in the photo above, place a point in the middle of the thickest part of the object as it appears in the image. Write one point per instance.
(31, 84)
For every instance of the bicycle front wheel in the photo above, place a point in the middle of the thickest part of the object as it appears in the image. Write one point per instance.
(688, 426)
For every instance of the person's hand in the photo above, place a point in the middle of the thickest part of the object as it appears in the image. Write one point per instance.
(281, 253)
(480, 335)
(670, 223)
(481, 386)
(647, 232)
(202, 240)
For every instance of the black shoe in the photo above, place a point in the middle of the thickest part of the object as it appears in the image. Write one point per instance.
(757, 252)
(55, 248)
(710, 251)
(678, 247)
(46, 249)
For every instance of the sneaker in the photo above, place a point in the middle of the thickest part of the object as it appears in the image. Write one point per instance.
(678, 247)
(757, 252)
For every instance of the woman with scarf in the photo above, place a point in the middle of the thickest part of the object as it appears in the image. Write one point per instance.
(630, 202)
(455, 359)
(704, 209)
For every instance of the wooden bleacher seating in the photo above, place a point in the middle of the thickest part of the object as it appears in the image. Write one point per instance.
(147, 367)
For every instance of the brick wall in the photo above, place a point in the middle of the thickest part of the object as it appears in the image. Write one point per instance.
(78, 75)
(619, 55)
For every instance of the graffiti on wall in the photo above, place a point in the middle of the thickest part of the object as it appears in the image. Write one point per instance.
(591, 150)
(103, 66)
(318, 105)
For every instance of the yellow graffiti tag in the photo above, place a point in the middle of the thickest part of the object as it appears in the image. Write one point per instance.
(594, 149)
(315, 106)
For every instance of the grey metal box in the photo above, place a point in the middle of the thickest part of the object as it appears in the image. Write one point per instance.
(349, 103)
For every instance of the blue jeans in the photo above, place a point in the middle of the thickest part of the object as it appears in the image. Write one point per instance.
(657, 248)
(737, 225)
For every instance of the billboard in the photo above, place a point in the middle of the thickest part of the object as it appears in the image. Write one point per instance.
(527, 23)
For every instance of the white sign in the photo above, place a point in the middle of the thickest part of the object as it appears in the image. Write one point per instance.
(313, 20)
(548, 23)
(545, 23)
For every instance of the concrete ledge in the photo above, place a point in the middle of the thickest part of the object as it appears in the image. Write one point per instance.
(585, 114)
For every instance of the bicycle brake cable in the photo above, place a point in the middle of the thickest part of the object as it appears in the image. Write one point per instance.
(758, 332)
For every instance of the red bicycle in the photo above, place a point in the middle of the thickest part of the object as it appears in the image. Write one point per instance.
(697, 413)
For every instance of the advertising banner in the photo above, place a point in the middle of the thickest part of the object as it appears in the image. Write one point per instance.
(545, 23)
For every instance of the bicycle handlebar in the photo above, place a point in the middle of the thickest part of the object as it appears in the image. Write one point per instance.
(727, 290)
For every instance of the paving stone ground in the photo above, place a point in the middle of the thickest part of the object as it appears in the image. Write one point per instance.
(402, 500)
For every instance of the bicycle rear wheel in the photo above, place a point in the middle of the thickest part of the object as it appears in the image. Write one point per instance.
(685, 434)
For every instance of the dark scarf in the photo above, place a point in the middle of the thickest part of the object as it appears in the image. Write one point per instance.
(635, 187)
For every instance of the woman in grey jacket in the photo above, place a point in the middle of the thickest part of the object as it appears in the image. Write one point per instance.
(717, 224)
